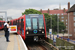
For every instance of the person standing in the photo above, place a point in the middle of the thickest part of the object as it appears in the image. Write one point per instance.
(7, 32)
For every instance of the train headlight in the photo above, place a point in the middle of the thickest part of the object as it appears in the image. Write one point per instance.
(27, 32)
(42, 31)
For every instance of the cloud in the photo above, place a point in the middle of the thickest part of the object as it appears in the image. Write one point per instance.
(20, 4)
(14, 8)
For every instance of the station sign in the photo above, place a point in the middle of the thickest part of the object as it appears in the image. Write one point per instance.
(13, 29)
(50, 31)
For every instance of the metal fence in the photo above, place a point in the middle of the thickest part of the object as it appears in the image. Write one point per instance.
(57, 36)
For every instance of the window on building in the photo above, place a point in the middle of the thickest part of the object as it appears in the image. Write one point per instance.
(54, 14)
(74, 24)
(66, 26)
(62, 14)
(62, 17)
(74, 13)
(50, 14)
(74, 18)
(66, 20)
(66, 23)
(58, 14)
(62, 20)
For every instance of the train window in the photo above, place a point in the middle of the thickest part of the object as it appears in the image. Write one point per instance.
(41, 23)
(28, 23)
(18, 22)
(34, 23)
(22, 24)
(0, 23)
(23, 19)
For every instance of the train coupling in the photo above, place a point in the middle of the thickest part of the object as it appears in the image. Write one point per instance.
(36, 38)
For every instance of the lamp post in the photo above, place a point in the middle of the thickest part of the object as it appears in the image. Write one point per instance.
(58, 23)
(63, 33)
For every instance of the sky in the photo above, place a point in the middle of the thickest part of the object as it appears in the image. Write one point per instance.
(15, 8)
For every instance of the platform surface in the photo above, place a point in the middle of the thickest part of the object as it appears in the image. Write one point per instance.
(16, 42)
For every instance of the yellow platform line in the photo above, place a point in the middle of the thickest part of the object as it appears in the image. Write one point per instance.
(18, 43)
(11, 43)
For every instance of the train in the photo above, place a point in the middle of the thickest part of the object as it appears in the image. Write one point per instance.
(1, 24)
(31, 26)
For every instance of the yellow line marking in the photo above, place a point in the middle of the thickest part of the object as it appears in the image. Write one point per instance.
(18, 43)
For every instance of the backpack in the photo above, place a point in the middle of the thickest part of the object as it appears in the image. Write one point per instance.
(5, 28)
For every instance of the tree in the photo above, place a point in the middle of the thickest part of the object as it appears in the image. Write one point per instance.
(0, 18)
(54, 23)
(31, 11)
(48, 20)
(61, 26)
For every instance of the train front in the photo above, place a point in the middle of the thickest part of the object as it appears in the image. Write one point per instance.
(35, 27)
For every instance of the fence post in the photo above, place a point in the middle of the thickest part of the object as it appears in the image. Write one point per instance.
(57, 36)
(50, 36)
(68, 39)
(61, 37)
(53, 37)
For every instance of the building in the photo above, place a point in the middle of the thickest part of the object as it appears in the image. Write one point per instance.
(62, 14)
(71, 15)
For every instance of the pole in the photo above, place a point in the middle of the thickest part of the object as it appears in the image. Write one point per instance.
(58, 24)
(51, 22)
(5, 16)
(68, 25)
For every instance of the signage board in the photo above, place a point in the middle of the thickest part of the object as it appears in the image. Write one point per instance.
(13, 29)
(50, 31)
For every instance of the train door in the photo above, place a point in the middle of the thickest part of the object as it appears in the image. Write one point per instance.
(34, 23)
(35, 28)
(22, 26)
(19, 27)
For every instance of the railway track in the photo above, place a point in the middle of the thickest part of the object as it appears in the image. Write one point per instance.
(35, 46)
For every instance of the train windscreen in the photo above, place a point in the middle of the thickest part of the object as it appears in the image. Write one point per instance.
(34, 23)
(41, 23)
(28, 23)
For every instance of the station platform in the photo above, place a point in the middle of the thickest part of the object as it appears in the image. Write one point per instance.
(16, 43)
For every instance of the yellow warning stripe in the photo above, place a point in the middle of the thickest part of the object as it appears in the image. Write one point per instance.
(13, 27)
(18, 43)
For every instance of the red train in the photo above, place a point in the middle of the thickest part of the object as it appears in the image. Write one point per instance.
(31, 26)
(2, 24)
